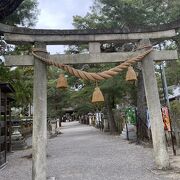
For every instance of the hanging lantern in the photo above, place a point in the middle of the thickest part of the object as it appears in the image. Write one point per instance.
(97, 96)
(62, 82)
(131, 74)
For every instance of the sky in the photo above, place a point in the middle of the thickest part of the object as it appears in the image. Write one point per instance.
(58, 14)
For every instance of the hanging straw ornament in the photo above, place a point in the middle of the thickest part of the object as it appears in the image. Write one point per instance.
(97, 96)
(131, 74)
(62, 82)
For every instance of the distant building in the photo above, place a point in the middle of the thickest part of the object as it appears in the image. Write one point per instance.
(174, 92)
(5, 121)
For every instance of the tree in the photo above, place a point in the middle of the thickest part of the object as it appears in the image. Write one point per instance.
(25, 15)
(7, 7)
(126, 14)
(57, 99)
(20, 78)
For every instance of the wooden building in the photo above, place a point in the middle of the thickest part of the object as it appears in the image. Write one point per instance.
(5, 121)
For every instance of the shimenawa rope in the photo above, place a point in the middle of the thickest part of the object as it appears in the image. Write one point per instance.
(91, 75)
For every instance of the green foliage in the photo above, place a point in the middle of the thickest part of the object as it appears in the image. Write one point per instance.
(21, 50)
(173, 72)
(175, 111)
(175, 107)
(85, 108)
(25, 15)
(21, 77)
(21, 80)
(128, 13)
(56, 98)
(81, 99)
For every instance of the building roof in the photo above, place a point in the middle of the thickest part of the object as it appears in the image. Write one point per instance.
(175, 91)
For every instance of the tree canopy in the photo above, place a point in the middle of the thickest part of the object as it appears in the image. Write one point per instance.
(25, 15)
(127, 14)
(7, 7)
(20, 77)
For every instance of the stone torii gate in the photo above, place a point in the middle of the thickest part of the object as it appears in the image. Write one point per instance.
(40, 38)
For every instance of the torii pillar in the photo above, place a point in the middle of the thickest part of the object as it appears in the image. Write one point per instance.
(39, 138)
(154, 108)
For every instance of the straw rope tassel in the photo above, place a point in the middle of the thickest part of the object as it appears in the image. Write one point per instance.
(131, 74)
(62, 82)
(97, 95)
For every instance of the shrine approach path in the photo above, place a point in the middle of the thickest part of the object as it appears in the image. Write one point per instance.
(82, 152)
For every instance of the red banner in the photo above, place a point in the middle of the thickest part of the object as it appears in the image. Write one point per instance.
(166, 119)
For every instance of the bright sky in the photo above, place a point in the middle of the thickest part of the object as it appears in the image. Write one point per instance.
(58, 14)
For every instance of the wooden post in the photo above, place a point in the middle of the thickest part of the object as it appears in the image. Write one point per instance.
(154, 108)
(94, 47)
(39, 139)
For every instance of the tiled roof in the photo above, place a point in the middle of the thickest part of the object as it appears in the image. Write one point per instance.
(175, 91)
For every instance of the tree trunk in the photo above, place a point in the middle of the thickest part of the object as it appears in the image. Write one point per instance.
(112, 124)
(142, 130)
(60, 120)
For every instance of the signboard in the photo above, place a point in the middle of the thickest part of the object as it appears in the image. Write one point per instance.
(166, 119)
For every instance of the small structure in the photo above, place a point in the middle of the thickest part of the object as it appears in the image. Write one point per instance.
(5, 121)
(26, 126)
(54, 127)
(91, 119)
(69, 114)
(17, 139)
(175, 92)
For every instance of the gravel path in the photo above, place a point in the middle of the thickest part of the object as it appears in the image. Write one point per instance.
(84, 153)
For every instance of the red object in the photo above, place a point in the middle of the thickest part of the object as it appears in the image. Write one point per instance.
(166, 119)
